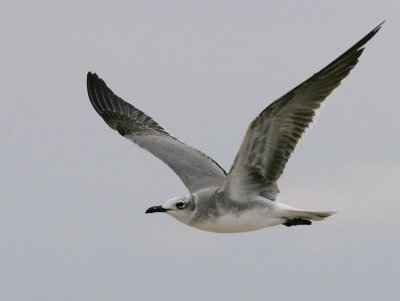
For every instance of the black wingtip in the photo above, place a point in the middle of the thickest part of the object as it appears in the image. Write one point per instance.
(376, 29)
(90, 78)
(369, 36)
(94, 79)
(93, 82)
(373, 31)
(379, 25)
(92, 75)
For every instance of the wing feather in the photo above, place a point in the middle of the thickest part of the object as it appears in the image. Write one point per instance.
(273, 135)
(193, 167)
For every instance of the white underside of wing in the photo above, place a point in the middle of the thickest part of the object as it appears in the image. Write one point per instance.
(195, 169)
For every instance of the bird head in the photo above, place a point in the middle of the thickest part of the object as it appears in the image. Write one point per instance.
(181, 208)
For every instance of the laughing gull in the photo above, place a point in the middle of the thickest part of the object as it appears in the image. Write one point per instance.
(245, 199)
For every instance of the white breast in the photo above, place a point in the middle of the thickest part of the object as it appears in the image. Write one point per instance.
(247, 221)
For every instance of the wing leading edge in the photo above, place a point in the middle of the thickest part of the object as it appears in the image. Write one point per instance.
(193, 167)
(273, 135)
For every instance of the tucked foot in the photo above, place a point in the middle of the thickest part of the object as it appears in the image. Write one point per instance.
(297, 221)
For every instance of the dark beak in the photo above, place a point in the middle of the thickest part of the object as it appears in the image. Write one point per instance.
(156, 209)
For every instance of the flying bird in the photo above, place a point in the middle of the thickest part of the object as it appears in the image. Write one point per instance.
(245, 198)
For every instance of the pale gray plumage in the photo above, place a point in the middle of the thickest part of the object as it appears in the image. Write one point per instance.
(245, 199)
(193, 167)
(273, 135)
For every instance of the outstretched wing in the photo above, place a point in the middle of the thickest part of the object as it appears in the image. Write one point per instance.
(193, 167)
(273, 135)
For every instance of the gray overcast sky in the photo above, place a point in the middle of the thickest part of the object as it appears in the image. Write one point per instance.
(73, 193)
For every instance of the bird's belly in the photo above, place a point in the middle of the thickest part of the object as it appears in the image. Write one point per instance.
(232, 223)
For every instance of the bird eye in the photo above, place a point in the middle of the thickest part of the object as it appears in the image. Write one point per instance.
(180, 205)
